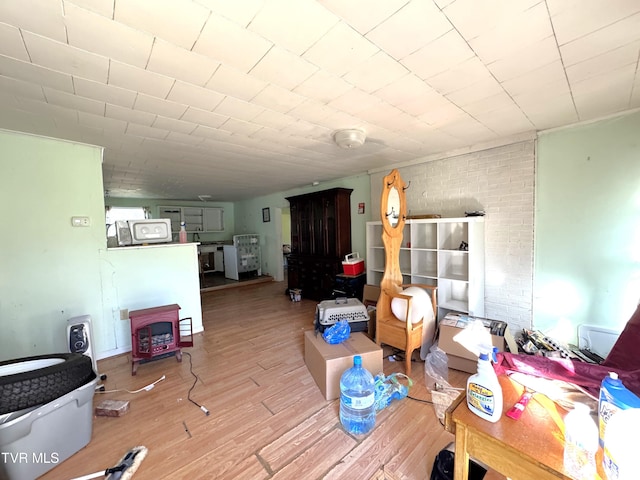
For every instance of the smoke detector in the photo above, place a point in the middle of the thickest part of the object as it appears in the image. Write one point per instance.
(349, 138)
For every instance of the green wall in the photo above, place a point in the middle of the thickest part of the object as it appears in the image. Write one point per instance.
(49, 270)
(587, 228)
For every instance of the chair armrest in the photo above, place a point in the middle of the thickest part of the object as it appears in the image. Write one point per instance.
(408, 299)
(432, 291)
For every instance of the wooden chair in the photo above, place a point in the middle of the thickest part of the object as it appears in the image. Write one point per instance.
(398, 333)
(402, 333)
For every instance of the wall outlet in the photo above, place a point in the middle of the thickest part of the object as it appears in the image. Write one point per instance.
(80, 221)
(124, 314)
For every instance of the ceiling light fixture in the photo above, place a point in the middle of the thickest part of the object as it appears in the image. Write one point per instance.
(349, 138)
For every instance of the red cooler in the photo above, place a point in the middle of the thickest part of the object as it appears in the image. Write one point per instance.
(353, 264)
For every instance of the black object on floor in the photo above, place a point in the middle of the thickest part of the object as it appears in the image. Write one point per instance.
(443, 467)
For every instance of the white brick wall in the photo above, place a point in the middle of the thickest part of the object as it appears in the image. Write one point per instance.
(499, 181)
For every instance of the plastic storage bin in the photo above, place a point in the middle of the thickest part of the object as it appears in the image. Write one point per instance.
(353, 264)
(30, 439)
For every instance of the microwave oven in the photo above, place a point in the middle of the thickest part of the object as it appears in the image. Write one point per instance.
(139, 232)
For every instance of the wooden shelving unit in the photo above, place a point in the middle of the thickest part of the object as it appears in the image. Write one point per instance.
(432, 253)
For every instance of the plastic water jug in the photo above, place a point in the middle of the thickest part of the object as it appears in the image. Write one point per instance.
(357, 399)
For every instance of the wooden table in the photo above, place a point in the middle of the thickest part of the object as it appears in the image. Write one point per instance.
(529, 448)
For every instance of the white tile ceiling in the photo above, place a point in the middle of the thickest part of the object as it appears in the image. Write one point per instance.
(236, 99)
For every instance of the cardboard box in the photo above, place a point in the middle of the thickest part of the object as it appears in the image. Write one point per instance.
(327, 363)
(459, 357)
(370, 295)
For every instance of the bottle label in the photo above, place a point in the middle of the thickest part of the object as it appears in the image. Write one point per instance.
(357, 403)
(610, 466)
(606, 409)
(481, 398)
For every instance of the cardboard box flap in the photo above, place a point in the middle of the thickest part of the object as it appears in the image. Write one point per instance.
(370, 295)
(354, 345)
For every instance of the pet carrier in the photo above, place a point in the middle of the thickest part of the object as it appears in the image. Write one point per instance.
(328, 312)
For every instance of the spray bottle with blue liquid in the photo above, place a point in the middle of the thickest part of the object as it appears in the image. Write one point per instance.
(484, 393)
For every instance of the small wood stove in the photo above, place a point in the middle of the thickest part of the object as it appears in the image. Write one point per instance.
(158, 331)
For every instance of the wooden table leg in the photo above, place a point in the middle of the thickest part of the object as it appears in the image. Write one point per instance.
(461, 467)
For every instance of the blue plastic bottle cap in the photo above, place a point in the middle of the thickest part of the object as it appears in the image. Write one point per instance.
(357, 360)
(484, 356)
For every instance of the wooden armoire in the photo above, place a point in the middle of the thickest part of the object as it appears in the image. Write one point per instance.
(320, 239)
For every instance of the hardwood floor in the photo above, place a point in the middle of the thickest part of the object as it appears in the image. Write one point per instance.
(268, 419)
(210, 282)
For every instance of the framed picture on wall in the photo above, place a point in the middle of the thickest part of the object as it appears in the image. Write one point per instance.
(266, 215)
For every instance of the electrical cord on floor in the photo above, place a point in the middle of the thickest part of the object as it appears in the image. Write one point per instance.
(425, 401)
(145, 389)
(201, 407)
(420, 400)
